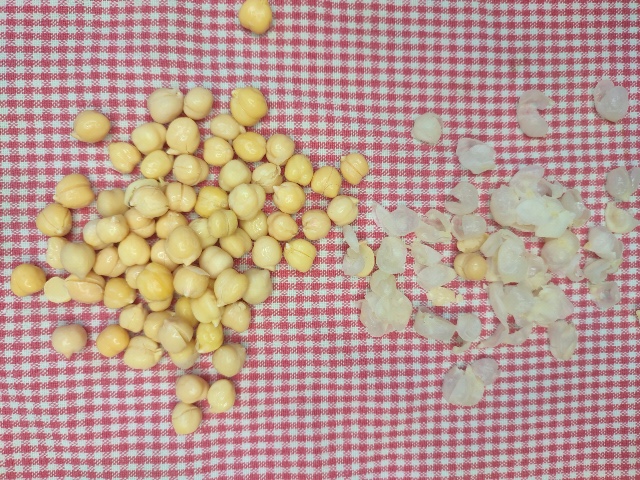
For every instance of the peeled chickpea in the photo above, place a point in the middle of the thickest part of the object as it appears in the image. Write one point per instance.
(217, 151)
(255, 15)
(326, 181)
(229, 359)
(191, 388)
(147, 198)
(112, 340)
(168, 222)
(111, 202)
(233, 174)
(199, 225)
(190, 281)
(108, 263)
(198, 103)
(183, 246)
(181, 198)
(299, 170)
(289, 197)
(260, 286)
(210, 199)
(78, 258)
(160, 305)
(89, 290)
(369, 259)
(54, 247)
(221, 396)
(112, 229)
(69, 339)
(280, 148)
(209, 337)
(74, 191)
(90, 235)
(165, 104)
(54, 220)
(183, 136)
(142, 353)
(267, 176)
(214, 260)
(343, 210)
(159, 255)
(183, 310)
(470, 266)
(190, 170)
(315, 224)
(300, 254)
(124, 156)
(90, 126)
(471, 245)
(153, 322)
(174, 334)
(132, 317)
(131, 275)
(185, 418)
(255, 227)
(226, 127)
(142, 226)
(134, 250)
(237, 316)
(149, 137)
(117, 293)
(246, 201)
(250, 146)
(187, 357)
(222, 223)
(281, 226)
(266, 253)
(155, 283)
(206, 309)
(248, 105)
(236, 244)
(27, 279)
(229, 286)
(157, 164)
(55, 290)
(353, 167)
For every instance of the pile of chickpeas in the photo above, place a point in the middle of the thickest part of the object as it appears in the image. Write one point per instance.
(168, 271)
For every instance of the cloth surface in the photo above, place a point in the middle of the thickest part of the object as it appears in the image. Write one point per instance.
(319, 398)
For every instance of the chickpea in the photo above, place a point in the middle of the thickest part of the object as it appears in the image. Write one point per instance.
(250, 147)
(256, 16)
(229, 286)
(206, 309)
(209, 337)
(255, 227)
(156, 164)
(74, 191)
(237, 316)
(187, 357)
(248, 105)
(54, 220)
(111, 202)
(69, 339)
(147, 197)
(280, 148)
(153, 322)
(470, 266)
(165, 104)
(181, 198)
(199, 225)
(229, 359)
(281, 226)
(190, 170)
(185, 418)
(326, 181)
(260, 286)
(168, 222)
(471, 245)
(217, 151)
(149, 137)
(289, 197)
(315, 224)
(226, 127)
(142, 353)
(155, 283)
(191, 388)
(190, 281)
(236, 244)
(124, 156)
(54, 247)
(174, 334)
(343, 210)
(211, 199)
(90, 126)
(160, 305)
(134, 250)
(267, 176)
(222, 223)
(233, 174)
(112, 340)
(353, 167)
(89, 290)
(112, 229)
(246, 201)
(159, 255)
(214, 260)
(131, 275)
(266, 253)
(78, 258)
(117, 293)
(142, 226)
(108, 264)
(183, 246)
(27, 279)
(55, 290)
(221, 396)
(182, 309)
(132, 317)
(198, 103)
(300, 254)
(90, 235)
(299, 170)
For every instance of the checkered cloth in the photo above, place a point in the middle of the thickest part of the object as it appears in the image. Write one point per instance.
(318, 398)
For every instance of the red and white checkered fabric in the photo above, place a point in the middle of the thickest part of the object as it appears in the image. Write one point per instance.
(318, 398)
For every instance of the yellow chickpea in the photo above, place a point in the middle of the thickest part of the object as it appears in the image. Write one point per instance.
(190, 281)
(326, 181)
(185, 418)
(187, 357)
(226, 127)
(289, 197)
(236, 316)
(132, 317)
(153, 322)
(123, 156)
(142, 226)
(256, 16)
(27, 279)
(282, 226)
(209, 337)
(142, 353)
(88, 290)
(198, 103)
(112, 340)
(250, 147)
(134, 250)
(54, 248)
(353, 167)
(214, 260)
(255, 227)
(280, 148)
(205, 308)
(210, 199)
(69, 339)
(90, 126)
(217, 151)
(300, 254)
(248, 106)
(315, 224)
(165, 104)
(266, 253)
(221, 396)
(190, 170)
(260, 286)
(299, 170)
(117, 293)
(267, 176)
(183, 246)
(74, 191)
(343, 210)
(229, 359)
(157, 164)
(147, 197)
(180, 197)
(174, 334)
(237, 244)
(112, 229)
(199, 225)
(183, 136)
(229, 286)
(191, 388)
(131, 275)
(155, 283)
(54, 220)
(111, 202)
(233, 174)
(78, 258)
(470, 266)
(90, 235)
(108, 263)
(183, 309)
(222, 223)
(168, 222)
(246, 200)
(159, 255)
(149, 137)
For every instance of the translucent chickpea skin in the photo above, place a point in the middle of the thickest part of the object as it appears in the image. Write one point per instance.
(74, 191)
(27, 279)
(256, 16)
(90, 126)
(69, 339)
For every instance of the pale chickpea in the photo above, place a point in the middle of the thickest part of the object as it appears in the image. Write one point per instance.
(155, 283)
(153, 322)
(142, 353)
(183, 136)
(289, 197)
(181, 197)
(353, 167)
(191, 388)
(198, 103)
(222, 223)
(111, 202)
(226, 127)
(190, 281)
(280, 148)
(250, 147)
(267, 176)
(221, 396)
(214, 260)
(55, 290)
(112, 229)
(182, 309)
(326, 181)
(54, 220)
(174, 334)
(69, 339)
(281, 226)
(165, 104)
(246, 201)
(27, 279)
(149, 137)
(74, 191)
(217, 151)
(157, 164)
(160, 305)
(78, 258)
(168, 222)
(112, 340)
(147, 197)
(199, 225)
(343, 210)
(229, 286)
(123, 156)
(54, 247)
(134, 250)
(159, 255)
(131, 275)
(210, 199)
(237, 316)
(205, 308)
(236, 244)
(300, 254)
(187, 357)
(229, 359)
(132, 317)
(248, 105)
(117, 293)
(256, 16)
(233, 174)
(183, 246)
(315, 224)
(90, 126)
(255, 227)
(108, 263)
(299, 170)
(190, 170)
(209, 337)
(260, 286)
(266, 253)
(142, 226)
(185, 418)
(90, 235)
(88, 290)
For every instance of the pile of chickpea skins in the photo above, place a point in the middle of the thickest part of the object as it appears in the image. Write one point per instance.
(144, 244)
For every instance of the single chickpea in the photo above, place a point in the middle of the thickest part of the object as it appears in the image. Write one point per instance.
(108, 264)
(236, 244)
(210, 199)
(255, 227)
(300, 254)
(183, 246)
(326, 181)
(55, 290)
(217, 151)
(149, 137)
(214, 260)
(198, 103)
(90, 126)
(206, 309)
(89, 290)
(117, 293)
(248, 105)
(132, 317)
(470, 266)
(78, 258)
(471, 245)
(256, 16)
(90, 235)
(289, 197)
(266, 253)
(221, 396)
(111, 202)
(229, 286)
(260, 286)
(245, 201)
(237, 316)
(134, 250)
(131, 275)
(168, 222)
(199, 225)
(69, 339)
(112, 340)
(54, 220)
(353, 167)
(157, 164)
(155, 283)
(174, 334)
(226, 127)
(159, 255)
(160, 305)
(142, 226)
(123, 156)
(190, 281)
(229, 359)
(147, 197)
(183, 136)
(27, 279)
(165, 104)
(191, 388)
(187, 357)
(299, 170)
(190, 170)
(181, 198)
(233, 174)
(222, 223)
(209, 337)
(267, 176)
(280, 148)
(281, 226)
(153, 322)
(185, 418)
(250, 147)
(315, 224)
(142, 353)
(74, 191)
(54, 247)
(112, 229)
(343, 210)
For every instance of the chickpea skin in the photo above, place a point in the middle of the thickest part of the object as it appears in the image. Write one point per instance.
(90, 126)
(88, 290)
